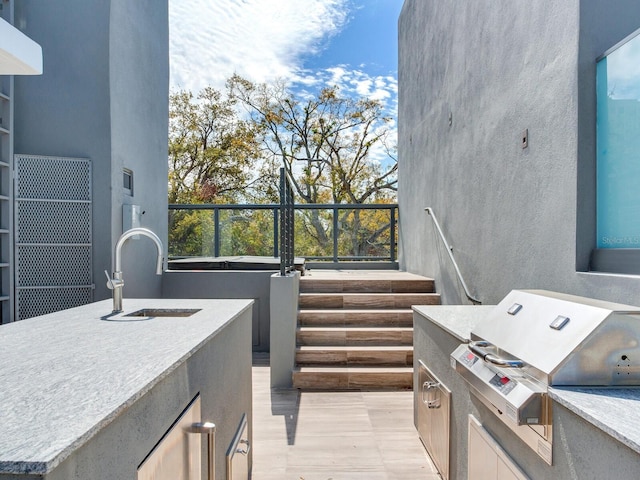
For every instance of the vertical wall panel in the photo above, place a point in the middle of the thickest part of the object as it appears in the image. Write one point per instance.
(53, 222)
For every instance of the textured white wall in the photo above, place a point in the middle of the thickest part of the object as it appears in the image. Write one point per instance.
(103, 96)
(514, 216)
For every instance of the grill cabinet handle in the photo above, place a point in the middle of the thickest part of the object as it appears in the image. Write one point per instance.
(208, 429)
(244, 442)
(476, 347)
(432, 401)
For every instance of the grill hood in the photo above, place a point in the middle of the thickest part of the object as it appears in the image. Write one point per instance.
(564, 339)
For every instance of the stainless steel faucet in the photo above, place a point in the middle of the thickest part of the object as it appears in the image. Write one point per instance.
(116, 282)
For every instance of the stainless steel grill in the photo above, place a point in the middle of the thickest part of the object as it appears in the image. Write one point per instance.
(535, 339)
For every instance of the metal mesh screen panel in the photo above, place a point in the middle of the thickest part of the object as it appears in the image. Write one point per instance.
(53, 265)
(53, 178)
(53, 218)
(58, 222)
(40, 301)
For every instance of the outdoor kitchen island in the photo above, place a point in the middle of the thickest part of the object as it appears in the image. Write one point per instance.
(596, 430)
(89, 394)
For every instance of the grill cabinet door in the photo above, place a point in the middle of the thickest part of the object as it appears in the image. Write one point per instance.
(434, 407)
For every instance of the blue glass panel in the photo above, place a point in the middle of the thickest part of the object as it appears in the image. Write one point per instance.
(618, 140)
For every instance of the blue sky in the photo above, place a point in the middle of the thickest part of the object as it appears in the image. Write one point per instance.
(369, 38)
(351, 43)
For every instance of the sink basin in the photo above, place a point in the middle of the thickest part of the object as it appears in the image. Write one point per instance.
(164, 312)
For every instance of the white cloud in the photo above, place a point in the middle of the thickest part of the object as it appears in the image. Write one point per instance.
(259, 39)
(264, 40)
(356, 82)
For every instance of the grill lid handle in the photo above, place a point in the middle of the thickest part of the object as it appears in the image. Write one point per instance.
(477, 348)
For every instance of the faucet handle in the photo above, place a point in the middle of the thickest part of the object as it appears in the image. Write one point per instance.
(110, 285)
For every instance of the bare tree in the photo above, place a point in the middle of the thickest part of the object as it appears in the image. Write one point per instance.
(334, 136)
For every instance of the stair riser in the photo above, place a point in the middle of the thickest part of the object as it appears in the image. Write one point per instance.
(366, 286)
(354, 358)
(364, 301)
(356, 344)
(355, 338)
(353, 381)
(341, 318)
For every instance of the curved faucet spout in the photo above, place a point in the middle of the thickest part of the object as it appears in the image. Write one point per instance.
(131, 233)
(116, 283)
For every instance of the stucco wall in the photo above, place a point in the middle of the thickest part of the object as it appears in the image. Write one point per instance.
(227, 284)
(103, 96)
(139, 86)
(472, 77)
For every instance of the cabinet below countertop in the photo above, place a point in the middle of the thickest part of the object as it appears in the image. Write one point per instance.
(83, 376)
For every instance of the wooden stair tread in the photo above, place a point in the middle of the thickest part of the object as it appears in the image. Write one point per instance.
(308, 328)
(328, 274)
(364, 284)
(361, 348)
(357, 311)
(347, 318)
(359, 369)
(353, 378)
(364, 301)
(368, 294)
(373, 356)
(355, 336)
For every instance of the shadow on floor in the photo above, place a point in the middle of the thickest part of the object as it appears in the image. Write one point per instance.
(284, 402)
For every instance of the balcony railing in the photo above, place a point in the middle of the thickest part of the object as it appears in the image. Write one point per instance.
(287, 224)
(334, 233)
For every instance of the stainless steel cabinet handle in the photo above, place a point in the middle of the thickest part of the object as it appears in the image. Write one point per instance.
(248, 444)
(208, 429)
(476, 347)
(430, 401)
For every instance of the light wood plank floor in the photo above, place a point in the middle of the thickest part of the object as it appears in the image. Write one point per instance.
(301, 435)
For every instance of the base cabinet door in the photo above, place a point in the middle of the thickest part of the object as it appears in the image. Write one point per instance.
(177, 455)
(434, 417)
(487, 460)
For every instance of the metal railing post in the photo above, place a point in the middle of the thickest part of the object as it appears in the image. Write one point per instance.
(335, 234)
(392, 235)
(276, 232)
(283, 220)
(287, 259)
(216, 231)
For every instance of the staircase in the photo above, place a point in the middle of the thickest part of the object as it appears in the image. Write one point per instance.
(355, 329)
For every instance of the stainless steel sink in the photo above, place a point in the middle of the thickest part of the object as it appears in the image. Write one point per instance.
(164, 312)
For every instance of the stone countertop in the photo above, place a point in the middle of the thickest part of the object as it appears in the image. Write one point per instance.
(458, 320)
(66, 375)
(614, 410)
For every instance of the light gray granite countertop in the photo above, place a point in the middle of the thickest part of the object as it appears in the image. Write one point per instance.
(614, 410)
(66, 375)
(458, 320)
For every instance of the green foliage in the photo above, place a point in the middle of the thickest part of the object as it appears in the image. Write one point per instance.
(217, 155)
(191, 233)
(212, 152)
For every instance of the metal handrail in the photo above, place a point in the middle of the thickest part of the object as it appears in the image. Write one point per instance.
(473, 300)
(287, 204)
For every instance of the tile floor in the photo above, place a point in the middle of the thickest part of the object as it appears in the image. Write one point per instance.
(305, 435)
